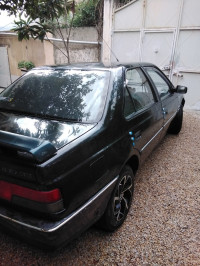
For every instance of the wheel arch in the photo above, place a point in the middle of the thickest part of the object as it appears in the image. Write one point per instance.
(133, 162)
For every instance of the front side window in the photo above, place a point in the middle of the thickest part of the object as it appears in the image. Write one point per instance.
(139, 93)
(72, 95)
(161, 85)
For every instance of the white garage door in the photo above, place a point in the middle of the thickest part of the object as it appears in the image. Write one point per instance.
(166, 33)
(157, 47)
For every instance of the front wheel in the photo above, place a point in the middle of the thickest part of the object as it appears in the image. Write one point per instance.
(176, 124)
(120, 201)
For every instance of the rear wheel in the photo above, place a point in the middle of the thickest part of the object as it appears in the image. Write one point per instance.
(176, 124)
(120, 201)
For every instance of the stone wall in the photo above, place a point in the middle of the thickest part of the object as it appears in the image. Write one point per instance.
(44, 53)
(78, 52)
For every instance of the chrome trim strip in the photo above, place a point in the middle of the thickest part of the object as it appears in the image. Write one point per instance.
(158, 132)
(21, 223)
(170, 119)
(151, 139)
(68, 218)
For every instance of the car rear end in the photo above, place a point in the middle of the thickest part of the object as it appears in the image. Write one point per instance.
(40, 151)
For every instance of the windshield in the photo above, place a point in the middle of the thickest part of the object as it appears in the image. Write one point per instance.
(73, 95)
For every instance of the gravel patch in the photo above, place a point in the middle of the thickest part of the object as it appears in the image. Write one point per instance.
(163, 226)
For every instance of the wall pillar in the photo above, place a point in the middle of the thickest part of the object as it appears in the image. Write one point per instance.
(107, 31)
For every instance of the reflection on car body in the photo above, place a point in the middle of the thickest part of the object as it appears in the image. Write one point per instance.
(71, 140)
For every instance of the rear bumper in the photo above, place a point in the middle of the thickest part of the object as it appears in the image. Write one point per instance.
(52, 234)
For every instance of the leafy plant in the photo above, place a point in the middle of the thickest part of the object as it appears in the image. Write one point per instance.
(36, 9)
(85, 14)
(26, 64)
(42, 17)
(30, 28)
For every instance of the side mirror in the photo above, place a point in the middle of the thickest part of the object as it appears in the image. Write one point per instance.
(181, 89)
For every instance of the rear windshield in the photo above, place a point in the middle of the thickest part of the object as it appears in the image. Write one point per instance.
(72, 95)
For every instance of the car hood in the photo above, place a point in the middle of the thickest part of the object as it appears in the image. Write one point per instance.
(57, 133)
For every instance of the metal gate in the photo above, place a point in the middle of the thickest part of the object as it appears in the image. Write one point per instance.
(157, 47)
(166, 33)
(5, 78)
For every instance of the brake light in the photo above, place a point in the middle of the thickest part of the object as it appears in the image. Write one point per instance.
(8, 190)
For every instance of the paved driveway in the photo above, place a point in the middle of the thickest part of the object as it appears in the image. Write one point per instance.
(163, 227)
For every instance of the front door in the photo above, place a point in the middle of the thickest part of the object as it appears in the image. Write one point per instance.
(168, 99)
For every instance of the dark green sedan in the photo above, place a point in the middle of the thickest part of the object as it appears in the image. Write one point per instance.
(72, 138)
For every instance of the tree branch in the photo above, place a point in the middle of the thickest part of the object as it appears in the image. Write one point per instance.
(62, 37)
(56, 47)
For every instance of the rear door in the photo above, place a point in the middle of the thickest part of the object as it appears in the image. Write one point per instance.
(169, 100)
(143, 112)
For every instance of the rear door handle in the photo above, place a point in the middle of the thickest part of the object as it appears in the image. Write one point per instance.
(137, 135)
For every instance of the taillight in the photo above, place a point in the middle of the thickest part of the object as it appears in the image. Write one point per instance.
(40, 196)
(45, 201)
(8, 190)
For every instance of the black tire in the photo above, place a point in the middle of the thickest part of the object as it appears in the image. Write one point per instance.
(120, 201)
(176, 124)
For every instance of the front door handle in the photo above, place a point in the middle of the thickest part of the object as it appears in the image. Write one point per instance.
(165, 112)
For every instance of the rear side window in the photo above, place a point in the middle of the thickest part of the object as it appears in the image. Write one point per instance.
(129, 107)
(138, 92)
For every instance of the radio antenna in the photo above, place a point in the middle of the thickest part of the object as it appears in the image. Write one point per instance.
(108, 47)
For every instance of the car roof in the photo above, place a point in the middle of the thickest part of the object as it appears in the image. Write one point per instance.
(93, 66)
